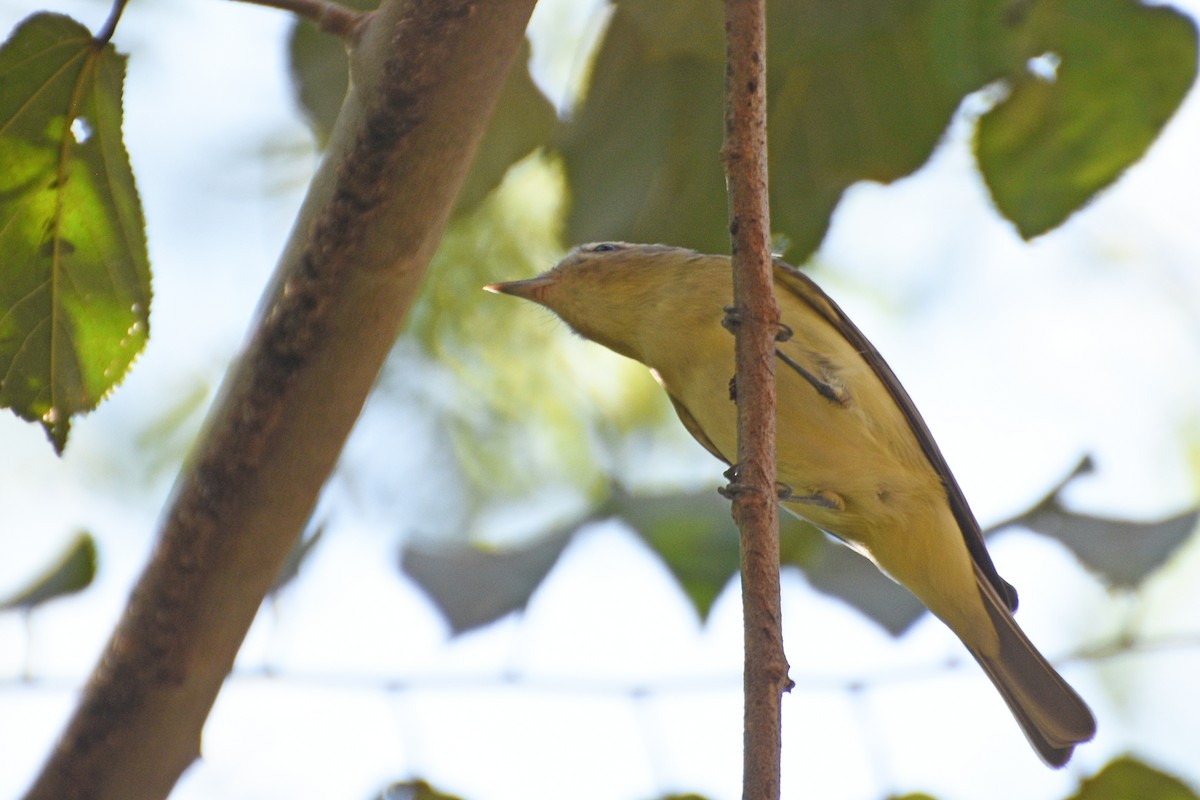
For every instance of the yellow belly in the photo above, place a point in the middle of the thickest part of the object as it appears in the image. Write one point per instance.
(891, 506)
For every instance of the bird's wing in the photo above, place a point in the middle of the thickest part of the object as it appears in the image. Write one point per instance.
(808, 292)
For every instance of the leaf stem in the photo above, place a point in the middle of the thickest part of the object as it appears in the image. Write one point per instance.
(110, 25)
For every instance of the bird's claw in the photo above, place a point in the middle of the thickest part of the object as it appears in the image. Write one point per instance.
(732, 319)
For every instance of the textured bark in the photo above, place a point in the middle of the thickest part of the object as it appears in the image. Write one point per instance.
(426, 76)
(755, 505)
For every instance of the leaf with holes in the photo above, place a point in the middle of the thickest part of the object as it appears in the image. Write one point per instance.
(865, 91)
(1113, 75)
(74, 274)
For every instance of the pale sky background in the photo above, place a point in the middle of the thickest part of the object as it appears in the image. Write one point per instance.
(1021, 357)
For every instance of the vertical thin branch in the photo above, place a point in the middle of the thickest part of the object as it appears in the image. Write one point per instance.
(755, 505)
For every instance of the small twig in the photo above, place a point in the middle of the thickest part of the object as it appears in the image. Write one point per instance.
(755, 320)
(329, 17)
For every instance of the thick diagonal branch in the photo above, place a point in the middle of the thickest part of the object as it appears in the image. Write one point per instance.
(426, 76)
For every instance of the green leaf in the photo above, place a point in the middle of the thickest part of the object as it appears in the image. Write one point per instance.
(854, 93)
(1125, 778)
(558, 414)
(74, 274)
(693, 535)
(864, 93)
(73, 571)
(641, 153)
(859, 91)
(522, 122)
(1054, 143)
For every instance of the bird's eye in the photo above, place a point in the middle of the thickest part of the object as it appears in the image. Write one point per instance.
(605, 247)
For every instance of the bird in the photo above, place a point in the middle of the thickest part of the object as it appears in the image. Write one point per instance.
(853, 453)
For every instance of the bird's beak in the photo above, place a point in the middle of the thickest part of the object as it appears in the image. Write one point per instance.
(532, 289)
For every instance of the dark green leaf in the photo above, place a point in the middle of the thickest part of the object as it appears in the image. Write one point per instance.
(73, 571)
(522, 122)
(473, 586)
(693, 535)
(864, 92)
(320, 72)
(1054, 143)
(801, 544)
(1127, 778)
(859, 91)
(74, 275)
(1124, 552)
(642, 152)
(840, 572)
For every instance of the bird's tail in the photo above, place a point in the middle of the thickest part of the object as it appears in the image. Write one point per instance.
(1053, 717)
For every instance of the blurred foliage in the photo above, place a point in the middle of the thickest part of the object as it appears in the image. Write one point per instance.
(1123, 778)
(1123, 552)
(1127, 778)
(843, 573)
(522, 405)
(74, 275)
(522, 122)
(864, 92)
(856, 92)
(859, 92)
(414, 790)
(694, 535)
(473, 585)
(320, 72)
(72, 572)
